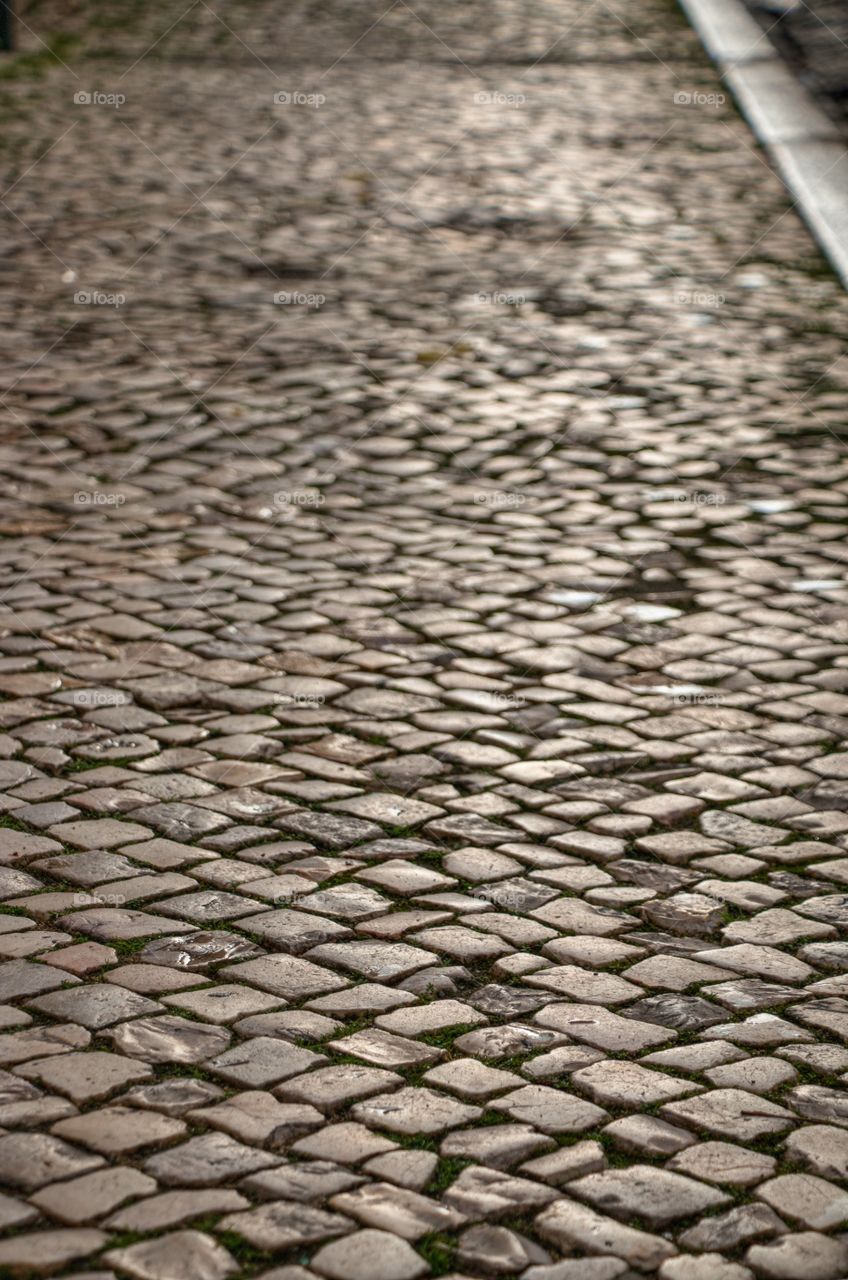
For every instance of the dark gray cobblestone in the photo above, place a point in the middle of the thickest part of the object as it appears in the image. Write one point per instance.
(423, 844)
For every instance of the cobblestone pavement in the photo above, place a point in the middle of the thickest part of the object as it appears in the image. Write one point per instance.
(425, 841)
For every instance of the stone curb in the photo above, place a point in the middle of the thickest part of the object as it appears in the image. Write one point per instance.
(803, 144)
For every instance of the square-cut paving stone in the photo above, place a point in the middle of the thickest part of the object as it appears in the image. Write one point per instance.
(414, 1111)
(379, 961)
(23, 978)
(85, 1199)
(362, 998)
(172, 1208)
(430, 1017)
(208, 906)
(99, 833)
(550, 1110)
(17, 847)
(30, 1160)
(207, 1161)
(293, 931)
(224, 1004)
(402, 877)
(44, 1252)
(730, 1113)
(368, 1255)
(567, 1224)
(331, 830)
(388, 809)
(263, 1061)
(328, 1088)
(507, 1041)
(583, 984)
(286, 976)
(120, 924)
(383, 1049)
(471, 1079)
(397, 1209)
(725, 1163)
(180, 1255)
(479, 1192)
(82, 958)
(653, 1195)
(757, 1075)
(757, 961)
(117, 1130)
(352, 902)
(626, 1084)
(465, 945)
(169, 1039)
(603, 1029)
(805, 1254)
(86, 1077)
(573, 916)
(345, 1143)
(258, 1118)
(96, 1005)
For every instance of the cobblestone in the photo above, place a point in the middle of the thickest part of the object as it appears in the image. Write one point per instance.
(422, 631)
